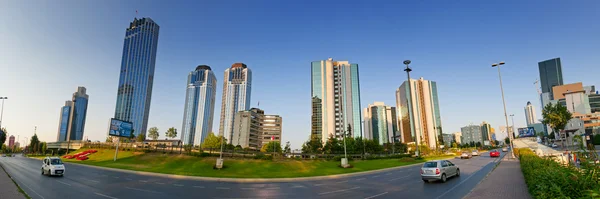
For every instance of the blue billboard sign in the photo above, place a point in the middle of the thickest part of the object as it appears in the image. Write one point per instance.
(120, 128)
(527, 132)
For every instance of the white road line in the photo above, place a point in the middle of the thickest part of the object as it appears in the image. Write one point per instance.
(318, 185)
(341, 190)
(381, 194)
(128, 179)
(398, 178)
(273, 188)
(248, 188)
(178, 185)
(360, 179)
(32, 190)
(298, 186)
(116, 177)
(159, 183)
(63, 182)
(201, 187)
(341, 182)
(96, 181)
(105, 196)
(222, 188)
(375, 176)
(149, 191)
(143, 181)
(448, 191)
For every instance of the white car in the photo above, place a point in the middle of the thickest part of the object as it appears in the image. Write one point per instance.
(53, 166)
(504, 149)
(554, 145)
(475, 153)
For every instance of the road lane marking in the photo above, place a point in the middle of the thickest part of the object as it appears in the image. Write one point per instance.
(143, 181)
(360, 179)
(298, 186)
(381, 194)
(116, 177)
(448, 191)
(105, 196)
(149, 191)
(32, 190)
(387, 174)
(63, 182)
(178, 185)
(336, 191)
(318, 185)
(398, 178)
(96, 181)
(375, 176)
(273, 188)
(248, 188)
(159, 183)
(341, 182)
(222, 188)
(201, 187)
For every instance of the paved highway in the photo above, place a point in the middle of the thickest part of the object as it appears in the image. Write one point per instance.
(91, 183)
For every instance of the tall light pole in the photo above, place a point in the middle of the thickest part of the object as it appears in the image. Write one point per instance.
(512, 149)
(512, 118)
(2, 111)
(408, 69)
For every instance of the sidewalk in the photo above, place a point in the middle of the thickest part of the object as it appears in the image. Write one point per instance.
(506, 181)
(8, 189)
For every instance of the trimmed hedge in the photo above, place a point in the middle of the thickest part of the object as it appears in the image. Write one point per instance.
(547, 178)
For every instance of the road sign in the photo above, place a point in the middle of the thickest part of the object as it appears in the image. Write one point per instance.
(120, 128)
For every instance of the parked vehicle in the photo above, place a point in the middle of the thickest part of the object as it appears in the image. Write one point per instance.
(439, 170)
(554, 145)
(53, 166)
(504, 149)
(475, 153)
(466, 155)
(494, 153)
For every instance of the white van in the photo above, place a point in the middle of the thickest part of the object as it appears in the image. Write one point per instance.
(53, 166)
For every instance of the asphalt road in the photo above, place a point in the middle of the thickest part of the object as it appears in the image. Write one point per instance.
(91, 183)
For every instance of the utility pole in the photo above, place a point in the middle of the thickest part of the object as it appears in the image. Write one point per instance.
(409, 103)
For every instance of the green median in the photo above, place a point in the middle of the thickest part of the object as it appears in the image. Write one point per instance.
(236, 168)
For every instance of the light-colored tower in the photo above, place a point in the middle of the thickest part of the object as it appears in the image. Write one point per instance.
(422, 114)
(199, 106)
(381, 123)
(530, 114)
(237, 84)
(335, 93)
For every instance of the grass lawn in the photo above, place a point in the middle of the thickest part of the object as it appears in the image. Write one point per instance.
(234, 168)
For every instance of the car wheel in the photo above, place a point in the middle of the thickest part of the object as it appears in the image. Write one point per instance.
(444, 177)
(42, 171)
(457, 172)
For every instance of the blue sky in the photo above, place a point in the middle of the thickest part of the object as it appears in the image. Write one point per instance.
(47, 49)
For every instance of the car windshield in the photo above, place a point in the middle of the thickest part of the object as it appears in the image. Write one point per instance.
(55, 162)
(430, 165)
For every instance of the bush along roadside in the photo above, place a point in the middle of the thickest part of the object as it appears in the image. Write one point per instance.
(547, 178)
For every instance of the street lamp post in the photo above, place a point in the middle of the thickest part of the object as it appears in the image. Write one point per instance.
(512, 149)
(512, 118)
(408, 69)
(2, 111)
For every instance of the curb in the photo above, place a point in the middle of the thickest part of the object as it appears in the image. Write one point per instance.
(250, 180)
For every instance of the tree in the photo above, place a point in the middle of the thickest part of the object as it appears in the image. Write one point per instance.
(3, 148)
(44, 147)
(496, 142)
(313, 145)
(271, 147)
(171, 133)
(3, 134)
(287, 148)
(141, 137)
(153, 133)
(556, 116)
(478, 144)
(454, 145)
(212, 142)
(507, 141)
(109, 139)
(472, 144)
(34, 143)
(333, 146)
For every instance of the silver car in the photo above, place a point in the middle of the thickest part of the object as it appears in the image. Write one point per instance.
(439, 170)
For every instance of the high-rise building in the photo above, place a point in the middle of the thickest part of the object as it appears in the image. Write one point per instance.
(199, 105)
(11, 141)
(458, 137)
(486, 134)
(448, 139)
(422, 115)
(253, 129)
(471, 133)
(381, 123)
(237, 84)
(550, 74)
(136, 77)
(335, 92)
(71, 124)
(530, 114)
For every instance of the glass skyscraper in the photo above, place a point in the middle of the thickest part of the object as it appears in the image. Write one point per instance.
(421, 116)
(72, 117)
(199, 105)
(335, 92)
(550, 74)
(237, 84)
(381, 123)
(137, 73)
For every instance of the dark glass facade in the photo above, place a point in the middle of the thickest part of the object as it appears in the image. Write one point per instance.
(65, 115)
(80, 103)
(550, 74)
(199, 105)
(137, 74)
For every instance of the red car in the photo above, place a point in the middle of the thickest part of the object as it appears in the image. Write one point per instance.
(494, 153)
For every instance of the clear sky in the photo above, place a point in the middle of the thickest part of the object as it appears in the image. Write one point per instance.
(48, 48)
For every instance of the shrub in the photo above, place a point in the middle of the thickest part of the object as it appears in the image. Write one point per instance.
(260, 156)
(339, 158)
(547, 178)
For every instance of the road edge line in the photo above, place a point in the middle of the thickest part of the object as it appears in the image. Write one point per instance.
(15, 182)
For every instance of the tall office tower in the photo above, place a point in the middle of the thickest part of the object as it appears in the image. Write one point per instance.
(458, 137)
(486, 134)
(335, 93)
(11, 141)
(448, 139)
(420, 116)
(199, 105)
(72, 117)
(137, 74)
(471, 133)
(381, 123)
(530, 114)
(550, 75)
(65, 121)
(237, 84)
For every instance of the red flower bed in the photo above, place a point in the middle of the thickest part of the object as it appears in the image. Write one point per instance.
(68, 157)
(82, 158)
(81, 155)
